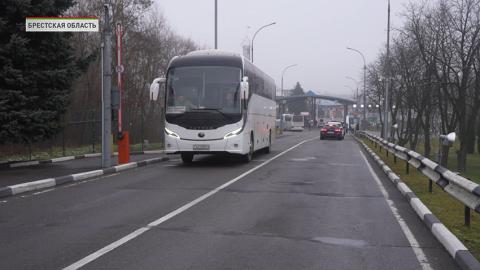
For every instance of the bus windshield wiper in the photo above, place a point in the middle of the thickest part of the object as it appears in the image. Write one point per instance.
(214, 109)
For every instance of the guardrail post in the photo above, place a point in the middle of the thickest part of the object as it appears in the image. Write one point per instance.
(430, 185)
(386, 150)
(467, 216)
(407, 168)
(395, 159)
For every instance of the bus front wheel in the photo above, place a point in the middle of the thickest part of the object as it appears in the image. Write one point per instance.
(267, 149)
(248, 157)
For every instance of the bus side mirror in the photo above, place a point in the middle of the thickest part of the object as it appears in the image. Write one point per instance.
(244, 88)
(155, 88)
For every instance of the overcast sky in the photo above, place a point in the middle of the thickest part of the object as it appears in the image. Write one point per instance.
(311, 33)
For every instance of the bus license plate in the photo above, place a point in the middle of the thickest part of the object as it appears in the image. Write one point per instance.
(201, 147)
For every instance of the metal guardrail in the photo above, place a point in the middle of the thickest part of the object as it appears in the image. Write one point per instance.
(462, 189)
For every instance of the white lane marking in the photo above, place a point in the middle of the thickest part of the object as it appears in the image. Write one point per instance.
(87, 181)
(43, 191)
(259, 160)
(3, 201)
(343, 164)
(421, 257)
(97, 254)
(303, 159)
(341, 241)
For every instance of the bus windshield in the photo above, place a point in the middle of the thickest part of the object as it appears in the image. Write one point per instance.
(208, 88)
(297, 118)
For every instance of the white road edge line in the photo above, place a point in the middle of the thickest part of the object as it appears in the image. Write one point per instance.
(97, 254)
(43, 191)
(421, 257)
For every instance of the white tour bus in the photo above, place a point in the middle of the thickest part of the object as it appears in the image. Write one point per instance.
(216, 102)
(287, 121)
(298, 123)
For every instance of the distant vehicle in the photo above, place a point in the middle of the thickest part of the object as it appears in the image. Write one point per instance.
(332, 130)
(298, 123)
(216, 102)
(287, 121)
(351, 123)
(320, 123)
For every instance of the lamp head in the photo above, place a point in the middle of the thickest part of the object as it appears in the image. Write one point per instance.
(448, 139)
(451, 137)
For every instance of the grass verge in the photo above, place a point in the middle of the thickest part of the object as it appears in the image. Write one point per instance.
(447, 209)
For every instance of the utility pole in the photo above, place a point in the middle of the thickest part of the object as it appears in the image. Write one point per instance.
(283, 95)
(364, 120)
(364, 97)
(386, 134)
(106, 90)
(119, 79)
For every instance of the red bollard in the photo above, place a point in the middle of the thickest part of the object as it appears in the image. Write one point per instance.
(123, 148)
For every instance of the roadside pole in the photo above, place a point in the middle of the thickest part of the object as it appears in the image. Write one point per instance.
(123, 140)
(106, 90)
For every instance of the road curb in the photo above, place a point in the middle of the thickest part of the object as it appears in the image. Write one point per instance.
(61, 180)
(462, 256)
(16, 164)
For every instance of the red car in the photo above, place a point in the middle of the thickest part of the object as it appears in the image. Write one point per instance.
(332, 130)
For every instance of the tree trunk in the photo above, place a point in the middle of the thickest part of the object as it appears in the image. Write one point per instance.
(462, 157)
(381, 122)
(478, 134)
(444, 161)
(426, 134)
(471, 141)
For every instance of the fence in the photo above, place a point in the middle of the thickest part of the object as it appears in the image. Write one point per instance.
(82, 134)
(462, 189)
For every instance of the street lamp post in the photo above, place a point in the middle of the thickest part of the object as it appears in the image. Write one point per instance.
(283, 93)
(349, 87)
(254, 35)
(364, 86)
(387, 88)
(283, 73)
(356, 85)
(216, 26)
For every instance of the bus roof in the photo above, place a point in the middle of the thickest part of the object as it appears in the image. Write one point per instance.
(208, 58)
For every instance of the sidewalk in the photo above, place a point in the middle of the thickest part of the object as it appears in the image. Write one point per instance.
(13, 176)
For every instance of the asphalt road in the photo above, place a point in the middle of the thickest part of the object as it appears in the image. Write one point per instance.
(316, 206)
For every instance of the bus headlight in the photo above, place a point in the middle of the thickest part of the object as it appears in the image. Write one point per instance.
(233, 133)
(171, 133)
